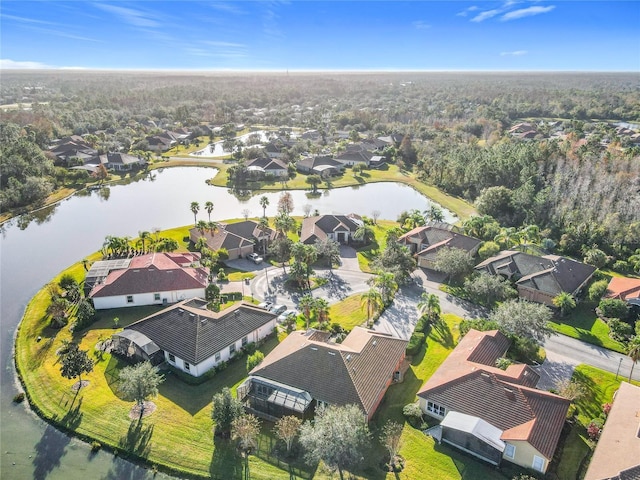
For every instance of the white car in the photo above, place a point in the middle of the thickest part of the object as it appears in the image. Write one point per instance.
(255, 258)
(266, 305)
(277, 309)
(286, 314)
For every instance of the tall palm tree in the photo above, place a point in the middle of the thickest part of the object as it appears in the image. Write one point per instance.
(263, 227)
(429, 305)
(386, 284)
(284, 223)
(321, 309)
(306, 305)
(195, 208)
(144, 236)
(508, 237)
(373, 302)
(208, 206)
(364, 233)
(264, 203)
(634, 353)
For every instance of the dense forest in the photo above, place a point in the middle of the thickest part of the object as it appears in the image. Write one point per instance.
(582, 189)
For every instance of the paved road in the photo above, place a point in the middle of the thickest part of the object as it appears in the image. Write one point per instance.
(581, 352)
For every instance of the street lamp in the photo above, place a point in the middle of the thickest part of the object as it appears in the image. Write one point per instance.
(266, 276)
(619, 363)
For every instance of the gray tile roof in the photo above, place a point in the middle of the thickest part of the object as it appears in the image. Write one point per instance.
(354, 372)
(314, 228)
(195, 334)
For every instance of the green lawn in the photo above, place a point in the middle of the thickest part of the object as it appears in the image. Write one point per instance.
(584, 325)
(367, 254)
(348, 313)
(600, 387)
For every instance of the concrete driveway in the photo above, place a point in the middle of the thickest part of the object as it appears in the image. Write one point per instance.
(555, 369)
(348, 259)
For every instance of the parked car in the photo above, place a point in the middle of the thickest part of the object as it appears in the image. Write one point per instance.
(286, 314)
(277, 309)
(266, 305)
(255, 258)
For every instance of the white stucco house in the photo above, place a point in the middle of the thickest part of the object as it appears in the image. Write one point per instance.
(153, 279)
(193, 339)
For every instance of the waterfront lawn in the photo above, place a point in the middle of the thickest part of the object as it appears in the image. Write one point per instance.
(583, 324)
(368, 253)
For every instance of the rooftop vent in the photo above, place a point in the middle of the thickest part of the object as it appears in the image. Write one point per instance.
(374, 342)
(180, 311)
(315, 349)
(331, 353)
(348, 357)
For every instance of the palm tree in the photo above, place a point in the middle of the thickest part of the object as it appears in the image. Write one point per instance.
(195, 208)
(434, 214)
(634, 353)
(321, 309)
(213, 227)
(364, 233)
(85, 264)
(306, 305)
(373, 302)
(284, 223)
(565, 302)
(263, 226)
(144, 236)
(386, 284)
(264, 203)
(508, 237)
(429, 304)
(208, 206)
(529, 235)
(202, 227)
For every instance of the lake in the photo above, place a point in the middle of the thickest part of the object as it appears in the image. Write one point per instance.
(34, 248)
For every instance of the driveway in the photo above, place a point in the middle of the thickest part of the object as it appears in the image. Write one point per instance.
(555, 369)
(348, 259)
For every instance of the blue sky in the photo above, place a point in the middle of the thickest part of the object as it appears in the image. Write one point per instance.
(324, 35)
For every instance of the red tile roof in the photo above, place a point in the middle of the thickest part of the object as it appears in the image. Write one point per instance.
(623, 288)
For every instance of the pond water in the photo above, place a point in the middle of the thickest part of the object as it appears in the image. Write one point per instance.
(216, 149)
(34, 248)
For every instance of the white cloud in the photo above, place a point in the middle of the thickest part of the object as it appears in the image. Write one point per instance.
(526, 12)
(421, 25)
(467, 11)
(137, 18)
(482, 16)
(8, 64)
(223, 44)
(515, 53)
(228, 7)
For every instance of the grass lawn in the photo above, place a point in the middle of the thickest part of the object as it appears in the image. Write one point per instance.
(584, 325)
(368, 253)
(348, 313)
(600, 387)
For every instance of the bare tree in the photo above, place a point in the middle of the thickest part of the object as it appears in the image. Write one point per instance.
(287, 428)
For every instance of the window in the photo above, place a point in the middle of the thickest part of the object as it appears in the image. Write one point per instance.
(172, 358)
(156, 297)
(187, 367)
(509, 451)
(217, 357)
(538, 463)
(436, 409)
(244, 341)
(129, 298)
(232, 349)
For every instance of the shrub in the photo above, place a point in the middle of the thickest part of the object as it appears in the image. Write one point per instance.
(18, 397)
(597, 290)
(413, 412)
(502, 363)
(254, 360)
(621, 266)
(523, 349)
(415, 343)
(606, 408)
(480, 324)
(423, 324)
(594, 428)
(571, 411)
(619, 330)
(95, 446)
(249, 348)
(221, 366)
(613, 308)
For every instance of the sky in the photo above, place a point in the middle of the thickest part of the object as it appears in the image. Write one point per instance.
(300, 35)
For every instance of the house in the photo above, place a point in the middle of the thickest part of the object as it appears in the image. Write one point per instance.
(539, 279)
(192, 338)
(354, 155)
(395, 139)
(268, 166)
(121, 161)
(306, 371)
(239, 239)
(617, 453)
(152, 279)
(490, 413)
(426, 241)
(336, 227)
(627, 289)
(159, 143)
(323, 166)
(74, 150)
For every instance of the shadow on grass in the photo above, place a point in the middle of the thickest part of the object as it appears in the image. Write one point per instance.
(111, 374)
(587, 404)
(226, 463)
(49, 450)
(137, 439)
(441, 333)
(468, 467)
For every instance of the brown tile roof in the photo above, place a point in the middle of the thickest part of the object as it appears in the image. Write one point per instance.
(220, 239)
(617, 454)
(623, 288)
(467, 382)
(155, 272)
(194, 334)
(356, 371)
(314, 228)
(436, 236)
